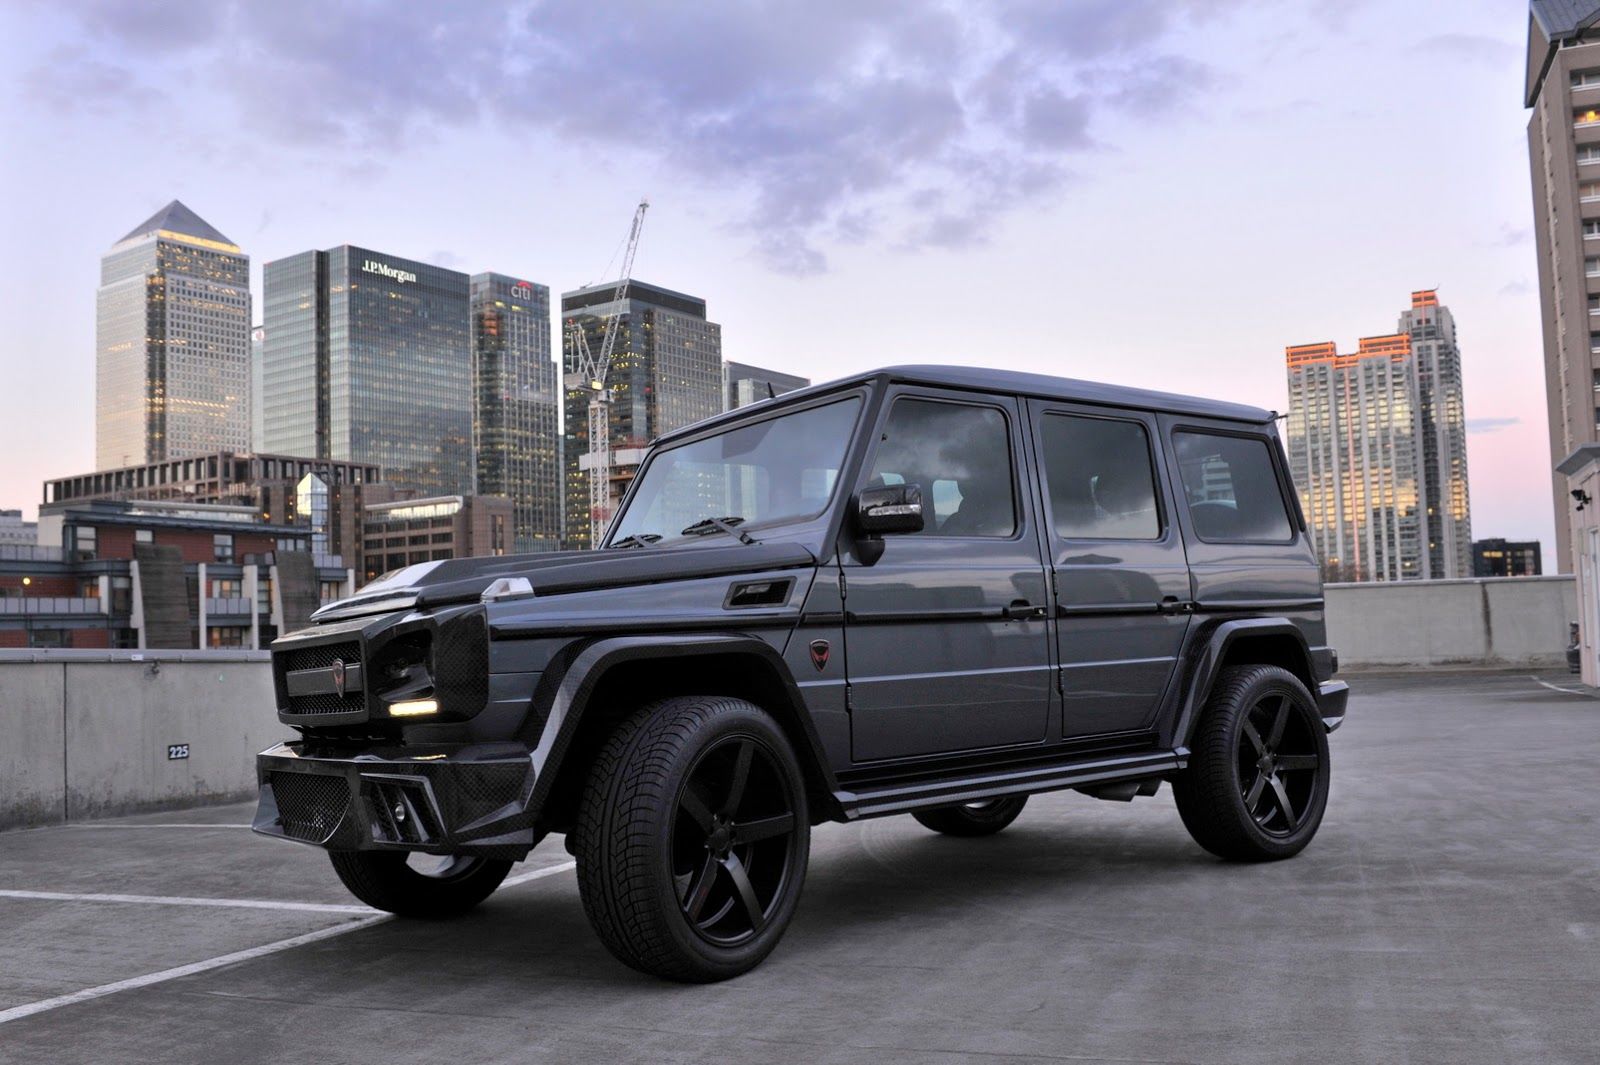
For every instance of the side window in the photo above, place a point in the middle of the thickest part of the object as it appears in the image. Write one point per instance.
(1232, 488)
(960, 455)
(1098, 474)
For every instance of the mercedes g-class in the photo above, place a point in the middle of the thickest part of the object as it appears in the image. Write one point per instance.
(922, 590)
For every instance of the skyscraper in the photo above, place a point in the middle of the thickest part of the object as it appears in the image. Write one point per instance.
(746, 384)
(1563, 89)
(1377, 449)
(517, 415)
(666, 372)
(368, 358)
(172, 339)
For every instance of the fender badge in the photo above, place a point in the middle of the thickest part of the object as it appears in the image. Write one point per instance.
(338, 676)
(819, 654)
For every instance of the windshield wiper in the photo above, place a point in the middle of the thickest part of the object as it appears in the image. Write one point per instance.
(637, 540)
(728, 525)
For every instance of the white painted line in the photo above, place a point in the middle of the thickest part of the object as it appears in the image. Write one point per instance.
(538, 874)
(175, 824)
(1557, 688)
(180, 900)
(17, 1013)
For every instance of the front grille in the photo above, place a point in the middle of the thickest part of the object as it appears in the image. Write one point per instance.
(320, 656)
(310, 805)
(328, 703)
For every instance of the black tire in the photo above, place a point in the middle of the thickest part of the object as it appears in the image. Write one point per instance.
(972, 818)
(1257, 781)
(690, 867)
(388, 880)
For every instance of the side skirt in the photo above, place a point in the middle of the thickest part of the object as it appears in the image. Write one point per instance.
(903, 797)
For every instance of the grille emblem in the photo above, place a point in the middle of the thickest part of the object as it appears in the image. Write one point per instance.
(338, 676)
(819, 654)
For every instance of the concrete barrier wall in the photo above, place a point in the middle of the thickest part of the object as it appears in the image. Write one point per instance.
(86, 734)
(1504, 622)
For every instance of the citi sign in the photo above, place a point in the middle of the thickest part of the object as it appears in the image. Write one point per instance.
(368, 266)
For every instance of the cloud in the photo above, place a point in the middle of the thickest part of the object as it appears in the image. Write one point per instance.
(1515, 288)
(1490, 425)
(1472, 47)
(825, 120)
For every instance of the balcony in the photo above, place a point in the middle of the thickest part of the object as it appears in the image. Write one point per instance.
(31, 605)
(29, 553)
(228, 606)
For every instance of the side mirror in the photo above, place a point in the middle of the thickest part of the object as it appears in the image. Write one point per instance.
(895, 508)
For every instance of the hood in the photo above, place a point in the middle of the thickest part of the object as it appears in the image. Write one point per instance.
(560, 573)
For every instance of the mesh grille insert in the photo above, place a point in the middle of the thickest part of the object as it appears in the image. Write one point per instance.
(320, 656)
(310, 805)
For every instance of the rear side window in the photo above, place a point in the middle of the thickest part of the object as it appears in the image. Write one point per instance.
(960, 455)
(1231, 487)
(1099, 477)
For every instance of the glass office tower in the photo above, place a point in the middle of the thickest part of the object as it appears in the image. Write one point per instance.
(368, 358)
(666, 372)
(172, 339)
(517, 416)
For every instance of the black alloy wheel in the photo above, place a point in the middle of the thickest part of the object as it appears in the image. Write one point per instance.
(1278, 762)
(692, 838)
(730, 846)
(413, 884)
(1257, 781)
(983, 818)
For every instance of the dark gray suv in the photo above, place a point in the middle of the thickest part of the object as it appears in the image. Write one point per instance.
(922, 590)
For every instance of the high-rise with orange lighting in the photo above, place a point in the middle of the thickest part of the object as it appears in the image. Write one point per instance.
(1563, 89)
(1378, 450)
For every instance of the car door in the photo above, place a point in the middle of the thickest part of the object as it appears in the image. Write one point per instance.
(1117, 560)
(946, 630)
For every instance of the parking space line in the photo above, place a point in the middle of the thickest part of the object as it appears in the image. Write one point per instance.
(173, 824)
(17, 1013)
(536, 874)
(180, 900)
(1558, 688)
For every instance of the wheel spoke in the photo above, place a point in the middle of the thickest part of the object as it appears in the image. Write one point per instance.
(696, 807)
(741, 777)
(1293, 762)
(1254, 737)
(765, 828)
(1282, 796)
(1279, 723)
(700, 888)
(747, 891)
(1253, 796)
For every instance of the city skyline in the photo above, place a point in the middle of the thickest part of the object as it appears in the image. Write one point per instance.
(1273, 175)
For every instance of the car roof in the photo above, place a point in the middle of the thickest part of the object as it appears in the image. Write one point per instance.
(1013, 382)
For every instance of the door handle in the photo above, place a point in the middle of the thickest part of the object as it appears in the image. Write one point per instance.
(1173, 605)
(1022, 610)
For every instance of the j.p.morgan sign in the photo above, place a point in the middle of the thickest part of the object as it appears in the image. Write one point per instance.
(371, 266)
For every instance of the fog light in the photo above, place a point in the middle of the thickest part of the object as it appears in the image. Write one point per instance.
(414, 708)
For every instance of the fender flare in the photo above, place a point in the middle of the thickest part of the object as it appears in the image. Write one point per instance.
(569, 700)
(1209, 649)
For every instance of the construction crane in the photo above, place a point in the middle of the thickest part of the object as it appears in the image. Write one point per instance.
(592, 369)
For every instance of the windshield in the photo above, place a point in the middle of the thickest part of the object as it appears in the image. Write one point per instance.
(778, 469)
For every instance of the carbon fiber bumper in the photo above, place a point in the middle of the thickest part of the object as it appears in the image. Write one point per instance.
(444, 800)
(1331, 698)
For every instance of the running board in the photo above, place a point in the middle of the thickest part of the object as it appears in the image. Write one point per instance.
(904, 797)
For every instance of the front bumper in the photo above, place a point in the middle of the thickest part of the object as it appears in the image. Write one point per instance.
(448, 799)
(1331, 698)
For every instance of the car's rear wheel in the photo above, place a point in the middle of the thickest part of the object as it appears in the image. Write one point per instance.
(1257, 781)
(973, 818)
(419, 885)
(692, 838)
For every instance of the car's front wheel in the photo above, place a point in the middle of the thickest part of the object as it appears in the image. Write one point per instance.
(419, 885)
(1257, 781)
(692, 838)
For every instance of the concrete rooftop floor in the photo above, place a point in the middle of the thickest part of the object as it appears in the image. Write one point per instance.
(1449, 911)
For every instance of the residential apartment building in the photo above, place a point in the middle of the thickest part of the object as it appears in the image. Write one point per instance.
(172, 342)
(161, 575)
(1376, 441)
(1562, 87)
(405, 532)
(1506, 558)
(666, 372)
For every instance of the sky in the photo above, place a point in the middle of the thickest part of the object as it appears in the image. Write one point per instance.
(1161, 193)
